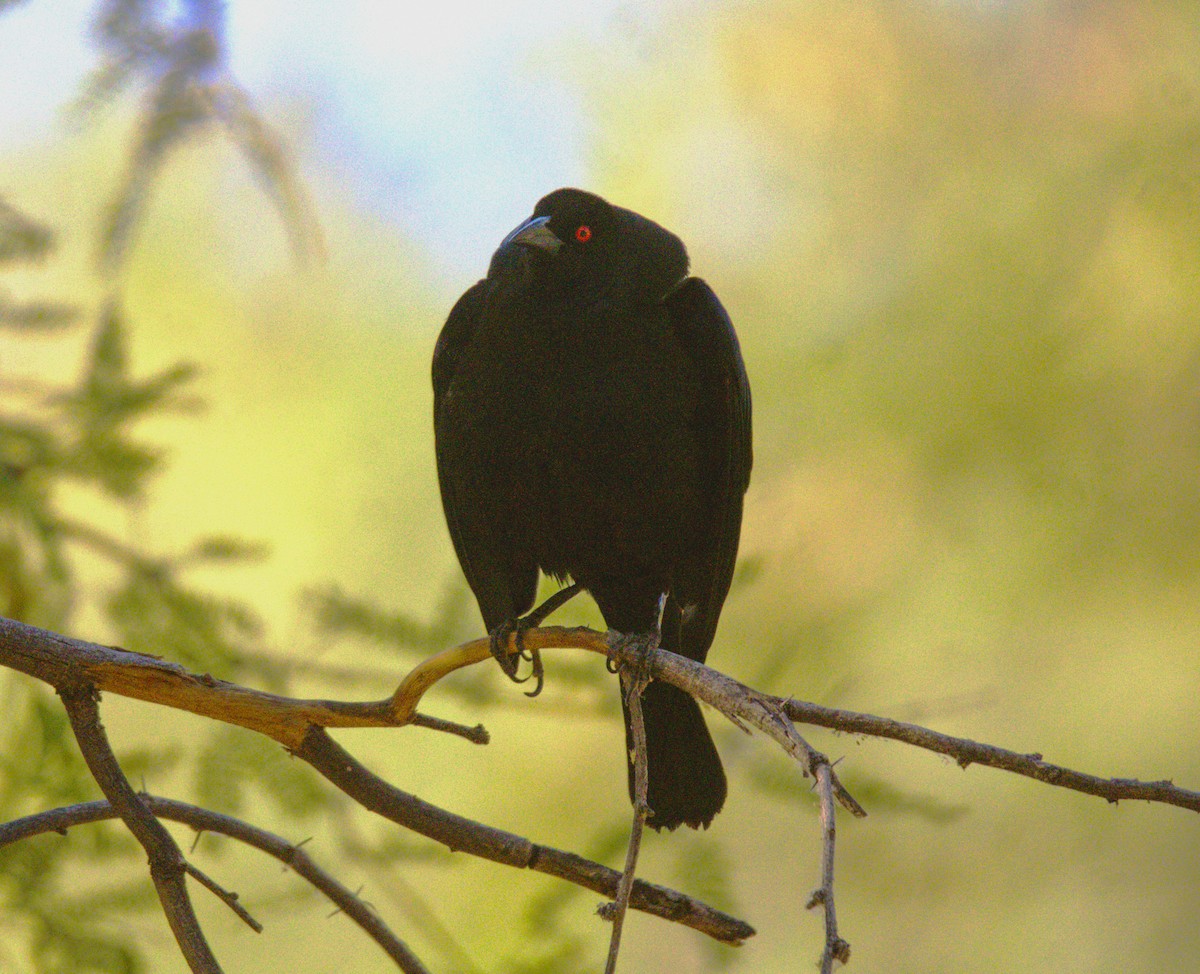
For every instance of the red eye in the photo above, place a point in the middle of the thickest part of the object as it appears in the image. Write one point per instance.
(583, 234)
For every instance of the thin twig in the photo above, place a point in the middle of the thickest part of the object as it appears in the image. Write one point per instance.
(810, 759)
(817, 765)
(230, 899)
(966, 752)
(476, 735)
(741, 704)
(204, 820)
(836, 949)
(632, 685)
(734, 699)
(167, 864)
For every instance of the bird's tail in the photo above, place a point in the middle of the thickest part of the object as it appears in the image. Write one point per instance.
(686, 783)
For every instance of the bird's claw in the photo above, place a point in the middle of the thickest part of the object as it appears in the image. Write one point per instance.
(640, 645)
(510, 662)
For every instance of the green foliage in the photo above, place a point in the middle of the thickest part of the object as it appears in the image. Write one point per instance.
(20, 237)
(178, 54)
(25, 240)
(704, 869)
(82, 435)
(334, 614)
(233, 771)
(104, 405)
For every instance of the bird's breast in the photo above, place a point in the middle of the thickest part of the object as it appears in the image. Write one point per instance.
(582, 426)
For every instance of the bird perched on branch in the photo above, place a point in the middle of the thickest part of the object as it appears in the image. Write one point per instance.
(592, 418)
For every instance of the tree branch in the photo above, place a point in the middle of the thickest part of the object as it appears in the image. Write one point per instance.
(76, 667)
(204, 820)
(464, 835)
(230, 899)
(167, 865)
(967, 752)
(735, 700)
(633, 682)
(297, 724)
(61, 661)
(836, 949)
(742, 703)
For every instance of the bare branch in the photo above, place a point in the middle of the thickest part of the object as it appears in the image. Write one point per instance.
(632, 685)
(476, 735)
(167, 864)
(230, 899)
(204, 820)
(735, 699)
(829, 788)
(967, 752)
(60, 661)
(464, 835)
(836, 949)
(297, 724)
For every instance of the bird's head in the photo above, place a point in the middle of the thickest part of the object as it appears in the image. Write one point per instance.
(578, 246)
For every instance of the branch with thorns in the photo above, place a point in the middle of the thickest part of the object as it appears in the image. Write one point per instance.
(79, 671)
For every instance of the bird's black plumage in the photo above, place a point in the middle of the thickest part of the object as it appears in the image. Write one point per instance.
(592, 418)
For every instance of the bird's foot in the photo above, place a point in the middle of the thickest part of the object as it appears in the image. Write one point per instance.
(631, 652)
(510, 663)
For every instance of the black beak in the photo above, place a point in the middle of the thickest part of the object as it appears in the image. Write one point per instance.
(534, 233)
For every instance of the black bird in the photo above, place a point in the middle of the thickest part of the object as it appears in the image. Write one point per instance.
(592, 418)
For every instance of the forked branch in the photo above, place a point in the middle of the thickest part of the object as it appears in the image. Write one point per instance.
(204, 820)
(300, 726)
(79, 670)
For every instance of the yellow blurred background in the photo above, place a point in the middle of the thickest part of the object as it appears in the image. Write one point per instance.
(960, 242)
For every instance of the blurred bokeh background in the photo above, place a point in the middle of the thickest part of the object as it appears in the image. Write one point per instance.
(960, 241)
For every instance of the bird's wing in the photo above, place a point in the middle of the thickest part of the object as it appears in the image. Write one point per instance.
(501, 590)
(455, 337)
(723, 422)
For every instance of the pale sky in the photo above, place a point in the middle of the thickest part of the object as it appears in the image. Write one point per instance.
(452, 117)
